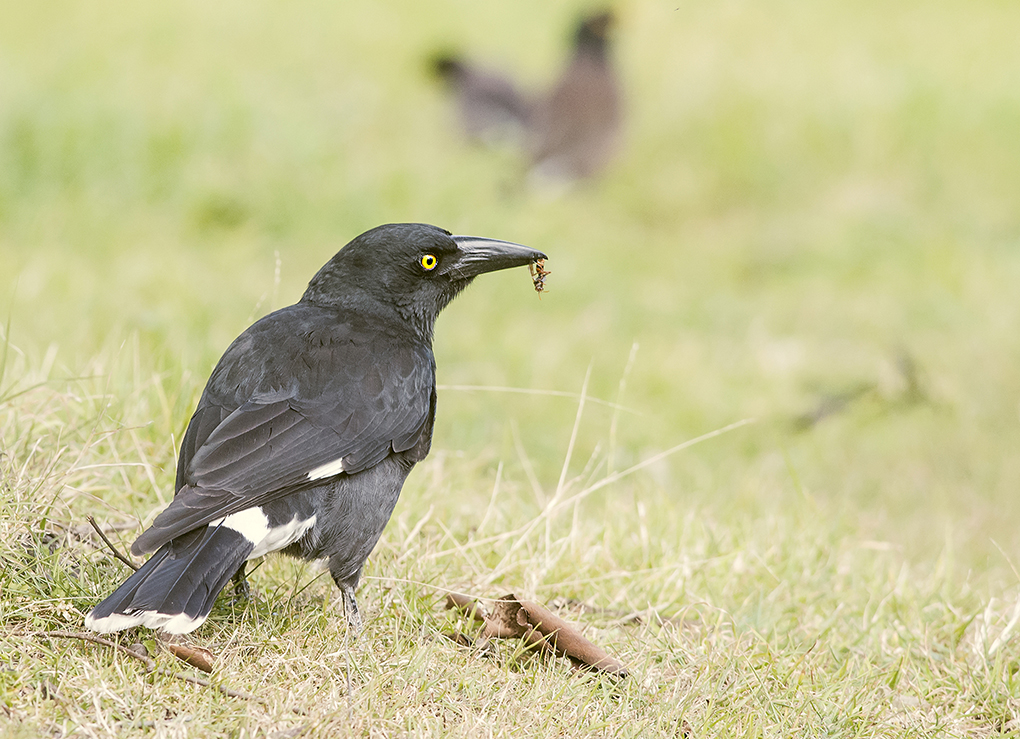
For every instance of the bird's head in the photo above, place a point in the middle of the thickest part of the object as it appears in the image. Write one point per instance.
(448, 68)
(592, 32)
(411, 268)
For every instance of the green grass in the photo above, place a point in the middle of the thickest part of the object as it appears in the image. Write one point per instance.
(811, 197)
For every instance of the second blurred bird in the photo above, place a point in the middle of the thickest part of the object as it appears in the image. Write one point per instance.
(569, 132)
(491, 108)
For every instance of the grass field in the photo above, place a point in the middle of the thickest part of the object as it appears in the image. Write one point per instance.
(814, 224)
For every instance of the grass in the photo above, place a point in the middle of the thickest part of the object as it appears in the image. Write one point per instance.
(813, 200)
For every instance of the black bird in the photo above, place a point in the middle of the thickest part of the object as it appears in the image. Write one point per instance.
(307, 428)
(576, 128)
(490, 106)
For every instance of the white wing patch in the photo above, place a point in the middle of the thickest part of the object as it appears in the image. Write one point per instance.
(327, 470)
(282, 536)
(253, 525)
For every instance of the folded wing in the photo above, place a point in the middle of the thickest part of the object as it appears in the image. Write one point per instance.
(260, 434)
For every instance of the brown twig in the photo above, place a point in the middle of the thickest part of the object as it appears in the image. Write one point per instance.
(116, 552)
(830, 405)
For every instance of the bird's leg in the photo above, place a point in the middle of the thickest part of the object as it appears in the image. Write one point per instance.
(347, 585)
(242, 590)
(350, 608)
(353, 629)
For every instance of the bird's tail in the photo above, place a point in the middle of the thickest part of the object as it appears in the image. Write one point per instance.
(175, 590)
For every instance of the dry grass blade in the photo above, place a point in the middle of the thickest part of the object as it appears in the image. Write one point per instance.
(150, 664)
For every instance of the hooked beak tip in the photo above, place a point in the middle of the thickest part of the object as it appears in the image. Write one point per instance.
(479, 255)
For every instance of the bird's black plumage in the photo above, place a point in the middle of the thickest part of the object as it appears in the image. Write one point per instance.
(308, 427)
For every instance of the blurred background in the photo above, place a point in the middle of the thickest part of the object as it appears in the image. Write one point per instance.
(811, 217)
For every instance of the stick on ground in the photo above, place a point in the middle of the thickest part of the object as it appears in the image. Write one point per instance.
(512, 618)
(116, 552)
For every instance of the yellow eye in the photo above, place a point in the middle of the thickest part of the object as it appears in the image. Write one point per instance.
(428, 261)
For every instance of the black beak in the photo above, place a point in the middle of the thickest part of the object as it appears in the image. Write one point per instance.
(477, 256)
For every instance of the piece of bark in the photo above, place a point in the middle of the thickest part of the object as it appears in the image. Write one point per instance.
(198, 657)
(538, 626)
(466, 603)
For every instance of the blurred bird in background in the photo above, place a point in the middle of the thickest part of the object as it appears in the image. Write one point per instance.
(576, 128)
(491, 108)
(571, 131)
